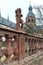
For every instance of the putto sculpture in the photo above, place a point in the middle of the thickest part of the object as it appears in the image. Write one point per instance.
(19, 21)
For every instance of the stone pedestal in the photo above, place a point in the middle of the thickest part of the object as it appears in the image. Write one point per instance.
(20, 28)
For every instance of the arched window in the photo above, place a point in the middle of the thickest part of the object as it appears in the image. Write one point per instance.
(32, 20)
(28, 20)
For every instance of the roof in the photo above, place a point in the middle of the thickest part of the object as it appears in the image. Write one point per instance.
(30, 13)
(6, 22)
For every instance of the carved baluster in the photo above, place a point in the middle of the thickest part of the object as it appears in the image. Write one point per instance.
(19, 48)
(23, 46)
(15, 48)
(9, 50)
(30, 46)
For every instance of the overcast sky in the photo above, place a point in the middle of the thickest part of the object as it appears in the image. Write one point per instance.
(8, 7)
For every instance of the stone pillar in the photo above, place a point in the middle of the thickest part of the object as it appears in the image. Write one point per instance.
(15, 48)
(19, 47)
(9, 50)
(39, 45)
(36, 45)
(8, 40)
(23, 46)
(33, 47)
(30, 47)
(35, 42)
(27, 46)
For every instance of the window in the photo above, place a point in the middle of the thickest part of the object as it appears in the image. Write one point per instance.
(28, 20)
(32, 20)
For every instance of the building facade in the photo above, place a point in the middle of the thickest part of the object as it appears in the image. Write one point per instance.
(31, 26)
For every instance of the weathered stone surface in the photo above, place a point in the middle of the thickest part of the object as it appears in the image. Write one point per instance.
(35, 59)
